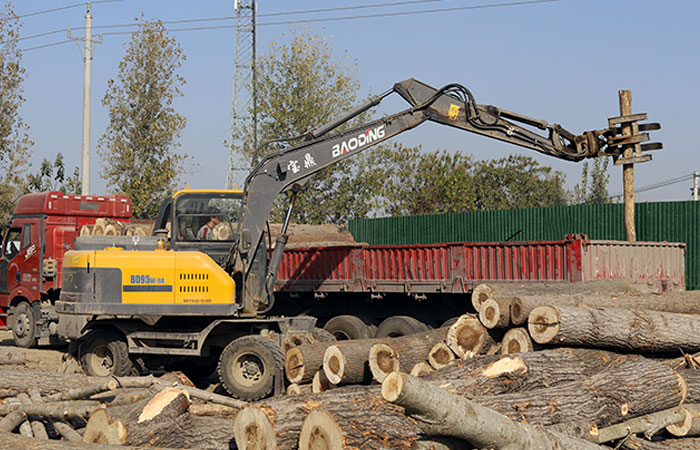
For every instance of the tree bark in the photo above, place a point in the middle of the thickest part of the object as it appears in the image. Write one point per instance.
(196, 432)
(637, 330)
(635, 388)
(14, 441)
(687, 302)
(11, 355)
(402, 353)
(649, 425)
(440, 413)
(303, 361)
(491, 375)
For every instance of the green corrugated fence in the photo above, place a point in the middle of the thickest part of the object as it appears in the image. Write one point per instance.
(662, 221)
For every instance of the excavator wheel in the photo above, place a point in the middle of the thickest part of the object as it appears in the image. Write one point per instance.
(104, 353)
(347, 327)
(248, 367)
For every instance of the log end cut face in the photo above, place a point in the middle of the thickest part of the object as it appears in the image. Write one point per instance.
(440, 355)
(382, 361)
(320, 431)
(467, 336)
(334, 364)
(544, 324)
(294, 365)
(253, 430)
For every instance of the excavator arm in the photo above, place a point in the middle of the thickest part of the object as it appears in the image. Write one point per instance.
(290, 168)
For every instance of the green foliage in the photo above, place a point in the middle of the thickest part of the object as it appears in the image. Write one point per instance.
(52, 177)
(593, 188)
(517, 182)
(15, 144)
(137, 150)
(300, 86)
(416, 182)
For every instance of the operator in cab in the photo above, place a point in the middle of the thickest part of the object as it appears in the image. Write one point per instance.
(206, 231)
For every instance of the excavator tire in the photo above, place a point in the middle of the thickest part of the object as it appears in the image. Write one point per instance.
(396, 326)
(248, 367)
(321, 335)
(104, 353)
(347, 327)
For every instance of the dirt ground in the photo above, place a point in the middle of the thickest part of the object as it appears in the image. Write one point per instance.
(45, 359)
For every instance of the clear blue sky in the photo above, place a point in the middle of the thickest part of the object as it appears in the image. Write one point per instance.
(560, 61)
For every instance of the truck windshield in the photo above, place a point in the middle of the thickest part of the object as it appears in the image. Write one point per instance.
(12, 243)
(201, 218)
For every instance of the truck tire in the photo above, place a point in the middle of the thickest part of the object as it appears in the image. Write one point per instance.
(104, 353)
(248, 367)
(396, 326)
(23, 325)
(347, 327)
(321, 335)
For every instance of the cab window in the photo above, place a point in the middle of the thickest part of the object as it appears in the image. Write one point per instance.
(12, 243)
(206, 219)
(27, 236)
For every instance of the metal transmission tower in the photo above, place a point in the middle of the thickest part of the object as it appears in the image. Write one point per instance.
(243, 108)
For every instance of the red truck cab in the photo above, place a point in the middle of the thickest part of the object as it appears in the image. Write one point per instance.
(43, 227)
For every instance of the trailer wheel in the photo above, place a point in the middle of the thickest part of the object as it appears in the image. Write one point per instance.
(348, 327)
(23, 325)
(248, 367)
(104, 353)
(396, 326)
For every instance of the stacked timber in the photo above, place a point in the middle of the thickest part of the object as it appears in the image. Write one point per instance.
(110, 227)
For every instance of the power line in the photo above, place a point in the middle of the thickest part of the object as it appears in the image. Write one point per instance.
(661, 184)
(75, 5)
(315, 20)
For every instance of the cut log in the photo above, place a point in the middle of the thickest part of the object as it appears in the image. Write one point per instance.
(275, 423)
(12, 421)
(296, 389)
(402, 353)
(13, 441)
(517, 340)
(635, 443)
(523, 372)
(211, 409)
(649, 425)
(11, 355)
(345, 362)
(320, 383)
(140, 423)
(690, 426)
(301, 362)
(38, 430)
(422, 368)
(686, 302)
(495, 313)
(635, 388)
(66, 431)
(348, 428)
(441, 443)
(438, 412)
(638, 330)
(196, 432)
(468, 337)
(692, 378)
(440, 355)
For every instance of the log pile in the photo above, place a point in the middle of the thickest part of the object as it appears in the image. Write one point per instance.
(110, 227)
(593, 366)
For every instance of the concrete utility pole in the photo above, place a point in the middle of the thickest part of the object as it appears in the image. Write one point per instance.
(696, 176)
(87, 79)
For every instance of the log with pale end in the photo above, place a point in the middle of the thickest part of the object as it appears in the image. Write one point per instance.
(495, 313)
(468, 337)
(301, 362)
(440, 355)
(422, 368)
(320, 383)
(439, 412)
(345, 362)
(517, 340)
(615, 328)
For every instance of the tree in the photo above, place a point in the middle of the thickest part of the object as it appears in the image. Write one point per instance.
(417, 182)
(593, 188)
(137, 149)
(52, 177)
(300, 86)
(15, 145)
(517, 182)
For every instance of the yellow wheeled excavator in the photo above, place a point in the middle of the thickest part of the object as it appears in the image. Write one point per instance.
(175, 299)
